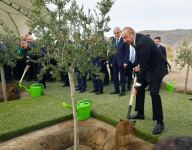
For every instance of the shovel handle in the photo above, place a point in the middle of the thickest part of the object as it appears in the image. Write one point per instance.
(129, 112)
(131, 98)
(25, 70)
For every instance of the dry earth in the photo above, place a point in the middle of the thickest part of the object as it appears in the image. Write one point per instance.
(94, 134)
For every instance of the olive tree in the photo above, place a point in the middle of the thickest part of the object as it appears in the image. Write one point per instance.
(74, 36)
(7, 54)
(184, 58)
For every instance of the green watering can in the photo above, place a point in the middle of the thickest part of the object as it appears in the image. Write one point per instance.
(34, 90)
(170, 86)
(83, 109)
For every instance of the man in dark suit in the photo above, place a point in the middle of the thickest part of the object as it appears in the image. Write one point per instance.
(152, 68)
(157, 41)
(119, 62)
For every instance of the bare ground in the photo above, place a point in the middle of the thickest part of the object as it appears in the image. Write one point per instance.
(60, 136)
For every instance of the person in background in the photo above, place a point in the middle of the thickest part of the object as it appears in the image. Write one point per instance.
(119, 62)
(64, 77)
(157, 41)
(104, 70)
(20, 61)
(111, 39)
(30, 57)
(97, 82)
(81, 81)
(45, 76)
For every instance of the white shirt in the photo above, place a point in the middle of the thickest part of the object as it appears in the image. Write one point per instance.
(131, 54)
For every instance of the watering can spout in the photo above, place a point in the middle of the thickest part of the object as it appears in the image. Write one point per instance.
(67, 106)
(174, 82)
(21, 85)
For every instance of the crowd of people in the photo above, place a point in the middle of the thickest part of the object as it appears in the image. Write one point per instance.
(25, 56)
(136, 53)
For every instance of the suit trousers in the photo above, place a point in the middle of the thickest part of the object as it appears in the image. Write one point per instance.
(111, 72)
(156, 99)
(129, 71)
(81, 81)
(97, 84)
(105, 72)
(116, 70)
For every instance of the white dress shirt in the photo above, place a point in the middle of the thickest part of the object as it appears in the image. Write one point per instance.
(131, 54)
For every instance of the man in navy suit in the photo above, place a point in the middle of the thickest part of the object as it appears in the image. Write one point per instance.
(119, 62)
(152, 68)
(157, 41)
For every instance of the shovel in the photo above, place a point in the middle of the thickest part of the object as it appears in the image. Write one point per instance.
(131, 98)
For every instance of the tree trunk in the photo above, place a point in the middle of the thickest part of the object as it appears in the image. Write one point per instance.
(3, 83)
(186, 80)
(74, 105)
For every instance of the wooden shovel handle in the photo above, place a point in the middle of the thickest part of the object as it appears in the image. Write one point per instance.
(25, 70)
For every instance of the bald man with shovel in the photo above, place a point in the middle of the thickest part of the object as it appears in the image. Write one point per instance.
(152, 68)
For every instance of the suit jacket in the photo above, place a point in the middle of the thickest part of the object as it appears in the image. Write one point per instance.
(122, 54)
(163, 51)
(152, 64)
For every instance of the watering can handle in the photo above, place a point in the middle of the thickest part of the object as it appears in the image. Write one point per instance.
(38, 84)
(85, 100)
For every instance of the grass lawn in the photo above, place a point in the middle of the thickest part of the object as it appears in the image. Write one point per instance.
(26, 115)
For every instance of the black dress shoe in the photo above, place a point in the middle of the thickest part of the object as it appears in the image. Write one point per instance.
(99, 92)
(94, 91)
(158, 128)
(138, 116)
(81, 91)
(77, 89)
(122, 94)
(65, 85)
(115, 92)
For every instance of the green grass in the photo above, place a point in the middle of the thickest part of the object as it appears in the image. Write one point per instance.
(22, 116)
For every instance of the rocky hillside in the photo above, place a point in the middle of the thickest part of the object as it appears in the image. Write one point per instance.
(171, 37)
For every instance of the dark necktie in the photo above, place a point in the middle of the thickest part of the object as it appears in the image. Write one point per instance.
(117, 41)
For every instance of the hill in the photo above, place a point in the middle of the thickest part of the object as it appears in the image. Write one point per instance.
(170, 37)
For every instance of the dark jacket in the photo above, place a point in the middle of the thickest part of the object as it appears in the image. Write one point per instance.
(122, 54)
(152, 64)
(163, 51)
